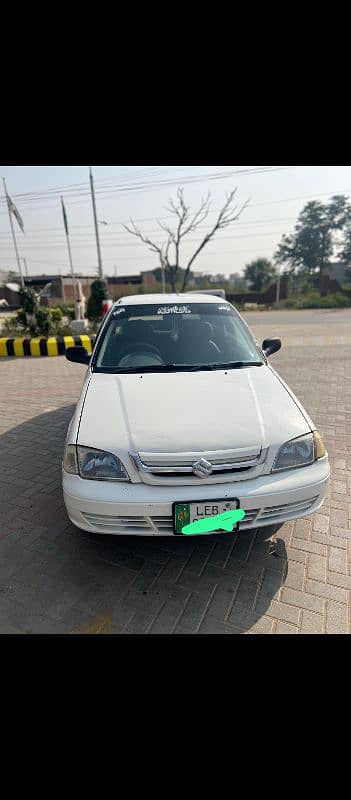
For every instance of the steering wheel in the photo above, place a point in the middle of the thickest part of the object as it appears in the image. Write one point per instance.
(140, 347)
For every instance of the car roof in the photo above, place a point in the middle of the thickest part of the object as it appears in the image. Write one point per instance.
(168, 299)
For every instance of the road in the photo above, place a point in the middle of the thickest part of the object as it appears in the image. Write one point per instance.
(56, 579)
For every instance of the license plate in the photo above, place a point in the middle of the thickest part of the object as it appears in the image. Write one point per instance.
(187, 513)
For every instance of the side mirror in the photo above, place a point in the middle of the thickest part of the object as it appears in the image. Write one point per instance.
(271, 346)
(78, 355)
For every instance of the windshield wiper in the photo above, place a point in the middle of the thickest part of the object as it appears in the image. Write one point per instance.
(180, 368)
(238, 365)
(141, 370)
(212, 367)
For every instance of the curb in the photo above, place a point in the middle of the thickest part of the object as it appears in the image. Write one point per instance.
(40, 347)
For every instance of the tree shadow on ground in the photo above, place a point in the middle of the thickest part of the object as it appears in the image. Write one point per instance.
(55, 578)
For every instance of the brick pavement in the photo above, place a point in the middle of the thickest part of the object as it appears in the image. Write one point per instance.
(56, 579)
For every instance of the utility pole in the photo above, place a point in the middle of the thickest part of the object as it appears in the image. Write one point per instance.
(13, 235)
(74, 282)
(101, 273)
(25, 267)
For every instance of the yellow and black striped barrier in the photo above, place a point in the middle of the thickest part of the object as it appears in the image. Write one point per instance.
(41, 347)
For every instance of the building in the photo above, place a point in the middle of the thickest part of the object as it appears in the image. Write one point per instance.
(132, 284)
(58, 289)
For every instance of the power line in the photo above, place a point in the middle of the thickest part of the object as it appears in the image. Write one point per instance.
(128, 243)
(149, 186)
(149, 231)
(83, 184)
(119, 243)
(302, 197)
(171, 216)
(131, 184)
(92, 268)
(110, 234)
(252, 205)
(116, 186)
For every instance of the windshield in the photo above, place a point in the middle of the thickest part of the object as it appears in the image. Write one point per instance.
(154, 338)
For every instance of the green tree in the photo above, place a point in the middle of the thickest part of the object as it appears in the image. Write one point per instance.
(29, 300)
(43, 324)
(260, 274)
(56, 315)
(99, 293)
(309, 250)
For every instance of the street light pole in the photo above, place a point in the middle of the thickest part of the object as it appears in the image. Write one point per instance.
(101, 274)
(25, 267)
(14, 236)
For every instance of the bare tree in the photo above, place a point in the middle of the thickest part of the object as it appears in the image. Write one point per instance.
(187, 223)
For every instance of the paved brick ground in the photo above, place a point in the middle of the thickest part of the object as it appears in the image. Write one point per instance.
(55, 579)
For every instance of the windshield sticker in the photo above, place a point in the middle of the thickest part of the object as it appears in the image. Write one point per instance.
(175, 310)
(119, 311)
(223, 308)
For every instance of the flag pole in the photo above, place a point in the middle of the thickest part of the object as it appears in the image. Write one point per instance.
(74, 282)
(13, 235)
(101, 273)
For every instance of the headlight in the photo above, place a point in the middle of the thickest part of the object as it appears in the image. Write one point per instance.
(297, 453)
(97, 465)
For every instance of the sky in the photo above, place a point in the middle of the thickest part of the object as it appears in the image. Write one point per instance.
(276, 196)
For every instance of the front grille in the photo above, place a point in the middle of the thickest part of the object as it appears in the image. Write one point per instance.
(275, 512)
(132, 525)
(163, 524)
(220, 472)
(249, 517)
(178, 469)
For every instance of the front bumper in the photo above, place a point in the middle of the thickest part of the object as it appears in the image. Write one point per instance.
(143, 510)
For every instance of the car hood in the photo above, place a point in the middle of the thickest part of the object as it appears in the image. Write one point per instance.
(189, 412)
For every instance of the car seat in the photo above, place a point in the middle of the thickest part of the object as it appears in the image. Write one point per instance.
(195, 345)
(133, 332)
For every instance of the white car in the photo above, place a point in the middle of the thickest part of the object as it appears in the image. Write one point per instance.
(181, 417)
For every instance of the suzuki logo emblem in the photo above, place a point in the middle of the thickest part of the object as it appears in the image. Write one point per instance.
(202, 468)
